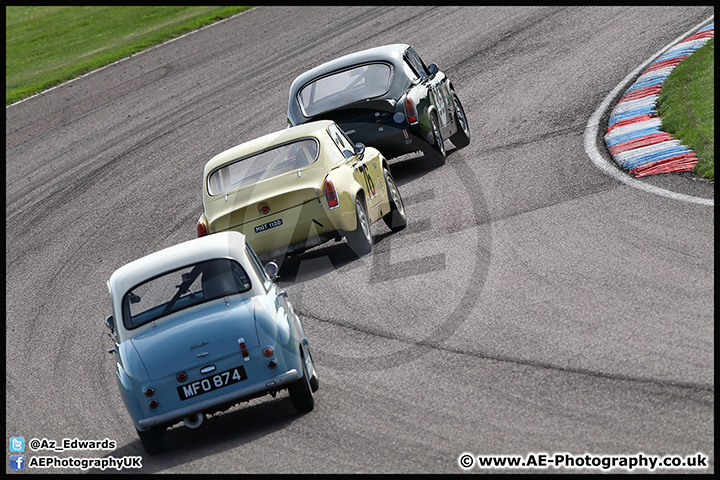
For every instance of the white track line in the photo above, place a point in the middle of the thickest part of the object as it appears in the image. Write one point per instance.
(593, 126)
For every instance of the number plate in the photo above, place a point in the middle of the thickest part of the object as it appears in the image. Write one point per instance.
(267, 226)
(208, 384)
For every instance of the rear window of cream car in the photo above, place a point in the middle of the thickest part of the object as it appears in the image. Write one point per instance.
(268, 163)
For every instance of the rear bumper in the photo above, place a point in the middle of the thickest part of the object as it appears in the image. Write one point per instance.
(394, 139)
(302, 227)
(246, 393)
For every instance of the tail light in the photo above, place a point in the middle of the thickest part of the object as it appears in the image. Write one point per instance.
(410, 111)
(268, 351)
(331, 195)
(153, 403)
(181, 377)
(201, 229)
(149, 391)
(243, 349)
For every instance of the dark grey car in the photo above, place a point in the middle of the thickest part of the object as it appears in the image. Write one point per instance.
(385, 97)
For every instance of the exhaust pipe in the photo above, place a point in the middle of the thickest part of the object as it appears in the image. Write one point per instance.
(195, 420)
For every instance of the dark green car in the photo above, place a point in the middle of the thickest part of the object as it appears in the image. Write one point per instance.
(385, 97)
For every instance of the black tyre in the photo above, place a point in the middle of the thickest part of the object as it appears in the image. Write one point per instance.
(461, 138)
(435, 154)
(153, 440)
(395, 219)
(301, 392)
(360, 240)
(314, 382)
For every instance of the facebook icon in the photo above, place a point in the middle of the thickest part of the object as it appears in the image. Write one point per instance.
(17, 462)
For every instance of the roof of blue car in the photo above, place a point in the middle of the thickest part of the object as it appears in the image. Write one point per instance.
(218, 245)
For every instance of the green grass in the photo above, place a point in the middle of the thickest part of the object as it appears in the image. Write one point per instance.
(46, 46)
(687, 106)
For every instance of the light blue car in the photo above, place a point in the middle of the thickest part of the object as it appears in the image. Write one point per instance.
(199, 327)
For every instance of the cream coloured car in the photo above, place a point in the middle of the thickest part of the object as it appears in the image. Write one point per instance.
(298, 188)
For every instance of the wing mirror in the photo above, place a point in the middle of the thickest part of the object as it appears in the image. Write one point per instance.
(272, 270)
(433, 69)
(359, 150)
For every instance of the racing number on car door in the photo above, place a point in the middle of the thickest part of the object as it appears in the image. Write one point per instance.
(438, 97)
(368, 181)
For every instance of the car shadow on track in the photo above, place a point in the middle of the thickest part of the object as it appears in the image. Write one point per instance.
(330, 256)
(324, 259)
(227, 430)
(410, 167)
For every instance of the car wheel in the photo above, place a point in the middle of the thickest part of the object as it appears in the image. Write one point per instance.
(461, 138)
(435, 153)
(360, 240)
(301, 391)
(153, 440)
(314, 382)
(395, 219)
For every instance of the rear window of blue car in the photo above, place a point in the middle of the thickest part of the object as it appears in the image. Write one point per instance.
(183, 288)
(344, 87)
(269, 163)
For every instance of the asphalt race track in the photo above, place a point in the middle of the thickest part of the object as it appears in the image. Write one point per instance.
(533, 305)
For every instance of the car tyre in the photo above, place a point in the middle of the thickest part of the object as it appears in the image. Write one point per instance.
(314, 382)
(461, 138)
(395, 219)
(360, 240)
(301, 391)
(153, 440)
(435, 154)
